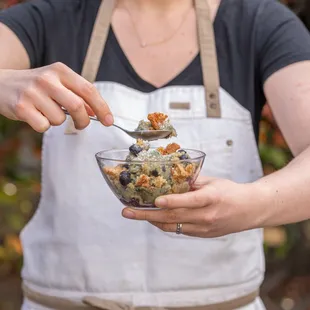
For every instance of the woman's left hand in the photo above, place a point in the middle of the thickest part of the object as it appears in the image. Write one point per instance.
(215, 208)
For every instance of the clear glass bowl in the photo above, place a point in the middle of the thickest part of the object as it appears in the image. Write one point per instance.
(138, 183)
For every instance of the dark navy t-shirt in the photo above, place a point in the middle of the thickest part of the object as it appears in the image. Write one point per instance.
(254, 39)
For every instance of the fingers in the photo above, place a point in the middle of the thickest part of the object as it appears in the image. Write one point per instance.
(35, 119)
(26, 111)
(50, 85)
(71, 91)
(171, 216)
(74, 104)
(196, 199)
(48, 107)
(42, 92)
(87, 91)
(89, 110)
(192, 230)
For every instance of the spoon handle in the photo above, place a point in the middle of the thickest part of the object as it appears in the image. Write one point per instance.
(94, 118)
(120, 128)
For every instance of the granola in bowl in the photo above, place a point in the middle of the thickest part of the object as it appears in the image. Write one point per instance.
(147, 173)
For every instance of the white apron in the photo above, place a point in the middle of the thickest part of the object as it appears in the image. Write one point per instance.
(77, 243)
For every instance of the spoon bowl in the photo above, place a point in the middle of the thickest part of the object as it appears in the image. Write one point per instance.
(149, 135)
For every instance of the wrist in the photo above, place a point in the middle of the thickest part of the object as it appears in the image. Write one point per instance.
(261, 202)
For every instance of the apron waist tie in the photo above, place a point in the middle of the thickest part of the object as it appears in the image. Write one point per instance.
(92, 303)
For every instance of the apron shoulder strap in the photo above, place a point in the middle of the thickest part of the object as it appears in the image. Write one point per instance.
(208, 58)
(95, 50)
(98, 40)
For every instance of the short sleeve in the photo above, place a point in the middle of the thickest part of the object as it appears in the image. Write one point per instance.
(31, 21)
(281, 38)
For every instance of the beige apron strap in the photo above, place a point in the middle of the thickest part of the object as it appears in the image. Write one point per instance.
(92, 303)
(208, 58)
(53, 302)
(226, 305)
(98, 40)
(95, 49)
(98, 303)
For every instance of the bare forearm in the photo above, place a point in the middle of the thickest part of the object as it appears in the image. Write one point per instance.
(285, 194)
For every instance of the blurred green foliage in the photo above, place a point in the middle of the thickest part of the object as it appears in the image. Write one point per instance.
(19, 188)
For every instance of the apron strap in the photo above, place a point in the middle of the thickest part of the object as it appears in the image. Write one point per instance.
(208, 57)
(206, 43)
(92, 303)
(95, 50)
(98, 40)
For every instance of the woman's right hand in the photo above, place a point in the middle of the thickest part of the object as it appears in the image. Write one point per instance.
(36, 97)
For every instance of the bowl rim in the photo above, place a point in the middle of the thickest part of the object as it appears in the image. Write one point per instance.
(201, 156)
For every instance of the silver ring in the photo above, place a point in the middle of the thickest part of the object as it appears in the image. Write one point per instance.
(179, 229)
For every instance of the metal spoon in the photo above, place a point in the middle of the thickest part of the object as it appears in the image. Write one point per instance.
(149, 135)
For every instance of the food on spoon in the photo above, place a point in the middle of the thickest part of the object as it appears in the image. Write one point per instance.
(150, 173)
(157, 121)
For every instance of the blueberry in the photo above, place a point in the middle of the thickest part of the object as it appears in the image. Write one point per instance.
(135, 149)
(126, 166)
(124, 178)
(134, 203)
(155, 173)
(163, 168)
(183, 156)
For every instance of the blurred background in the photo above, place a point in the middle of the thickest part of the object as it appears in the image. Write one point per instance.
(287, 284)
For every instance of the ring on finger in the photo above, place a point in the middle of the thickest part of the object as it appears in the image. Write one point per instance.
(179, 229)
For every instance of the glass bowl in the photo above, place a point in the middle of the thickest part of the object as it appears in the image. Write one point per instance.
(138, 183)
